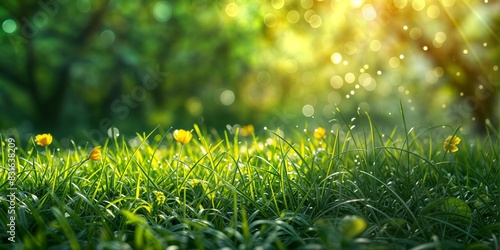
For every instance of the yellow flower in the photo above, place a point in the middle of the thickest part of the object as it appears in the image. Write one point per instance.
(43, 139)
(319, 133)
(3, 144)
(182, 136)
(247, 130)
(450, 144)
(160, 197)
(95, 154)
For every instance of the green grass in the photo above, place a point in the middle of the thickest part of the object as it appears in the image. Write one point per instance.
(358, 188)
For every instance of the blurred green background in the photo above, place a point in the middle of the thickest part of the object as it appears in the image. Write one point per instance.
(75, 68)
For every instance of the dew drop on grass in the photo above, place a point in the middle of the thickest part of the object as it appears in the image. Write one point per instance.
(113, 132)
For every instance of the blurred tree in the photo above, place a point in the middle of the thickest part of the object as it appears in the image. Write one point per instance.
(93, 64)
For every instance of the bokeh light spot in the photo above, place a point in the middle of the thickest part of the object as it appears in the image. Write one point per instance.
(369, 12)
(363, 106)
(336, 58)
(356, 3)
(9, 26)
(308, 110)
(107, 37)
(232, 9)
(415, 33)
(400, 4)
(336, 82)
(440, 37)
(433, 11)
(306, 4)
(418, 5)
(293, 16)
(367, 82)
(83, 6)
(264, 77)
(350, 77)
(162, 11)
(394, 62)
(227, 97)
(315, 21)
(334, 98)
(278, 4)
(113, 132)
(448, 3)
(438, 72)
(375, 45)
(270, 20)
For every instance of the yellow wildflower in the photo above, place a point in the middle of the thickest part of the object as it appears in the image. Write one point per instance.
(450, 144)
(319, 133)
(43, 139)
(95, 154)
(247, 130)
(160, 197)
(3, 144)
(182, 136)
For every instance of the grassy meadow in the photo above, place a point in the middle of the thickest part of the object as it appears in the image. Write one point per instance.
(356, 185)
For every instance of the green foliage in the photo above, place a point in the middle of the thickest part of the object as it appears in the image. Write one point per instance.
(357, 188)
